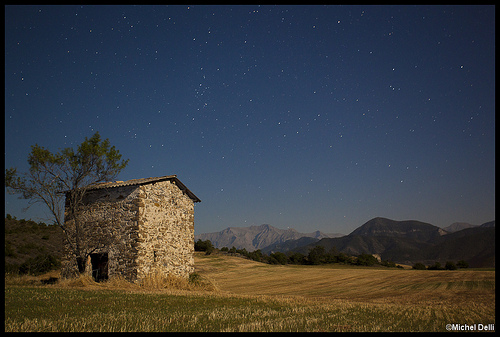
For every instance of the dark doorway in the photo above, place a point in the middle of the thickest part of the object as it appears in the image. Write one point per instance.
(99, 266)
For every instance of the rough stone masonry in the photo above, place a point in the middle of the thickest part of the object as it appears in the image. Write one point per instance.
(136, 228)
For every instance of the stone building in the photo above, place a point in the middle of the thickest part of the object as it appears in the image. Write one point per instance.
(135, 228)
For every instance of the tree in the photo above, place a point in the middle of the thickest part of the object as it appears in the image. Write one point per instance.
(280, 257)
(204, 246)
(68, 174)
(366, 260)
(296, 258)
(462, 264)
(317, 255)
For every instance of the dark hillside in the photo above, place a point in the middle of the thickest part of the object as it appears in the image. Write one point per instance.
(289, 245)
(416, 230)
(409, 242)
(488, 224)
(474, 245)
(26, 239)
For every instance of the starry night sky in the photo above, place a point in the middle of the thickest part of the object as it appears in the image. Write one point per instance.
(310, 117)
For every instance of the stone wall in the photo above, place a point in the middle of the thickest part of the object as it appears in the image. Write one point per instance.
(166, 230)
(144, 229)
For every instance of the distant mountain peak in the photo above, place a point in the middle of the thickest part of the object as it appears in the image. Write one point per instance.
(458, 226)
(256, 237)
(407, 228)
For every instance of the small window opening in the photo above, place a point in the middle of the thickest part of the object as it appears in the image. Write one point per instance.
(99, 266)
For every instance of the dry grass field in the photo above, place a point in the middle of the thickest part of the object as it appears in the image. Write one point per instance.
(341, 282)
(242, 295)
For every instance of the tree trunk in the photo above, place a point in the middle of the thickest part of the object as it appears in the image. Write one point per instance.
(81, 264)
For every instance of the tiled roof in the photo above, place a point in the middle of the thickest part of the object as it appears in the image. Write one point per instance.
(145, 181)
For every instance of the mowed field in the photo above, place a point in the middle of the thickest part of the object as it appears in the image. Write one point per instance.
(252, 296)
(345, 282)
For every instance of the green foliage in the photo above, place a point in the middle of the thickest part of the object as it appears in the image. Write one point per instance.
(387, 263)
(296, 258)
(256, 255)
(194, 278)
(366, 260)
(51, 173)
(317, 255)
(462, 264)
(280, 257)
(204, 246)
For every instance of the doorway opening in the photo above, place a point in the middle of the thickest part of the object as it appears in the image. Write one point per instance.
(99, 266)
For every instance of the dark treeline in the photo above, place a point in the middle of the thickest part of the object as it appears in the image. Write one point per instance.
(316, 256)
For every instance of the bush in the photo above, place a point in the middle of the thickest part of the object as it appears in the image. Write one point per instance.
(435, 266)
(462, 264)
(387, 263)
(9, 251)
(450, 266)
(343, 258)
(297, 258)
(204, 246)
(280, 257)
(256, 255)
(39, 265)
(317, 255)
(419, 266)
(366, 260)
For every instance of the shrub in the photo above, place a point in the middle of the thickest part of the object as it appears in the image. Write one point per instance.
(317, 255)
(435, 266)
(280, 257)
(9, 251)
(419, 266)
(297, 258)
(462, 264)
(450, 266)
(343, 258)
(256, 255)
(204, 246)
(39, 265)
(387, 263)
(366, 260)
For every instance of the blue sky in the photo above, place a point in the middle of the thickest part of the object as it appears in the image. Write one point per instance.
(311, 117)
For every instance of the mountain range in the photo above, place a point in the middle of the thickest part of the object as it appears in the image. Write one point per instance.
(405, 242)
(260, 237)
